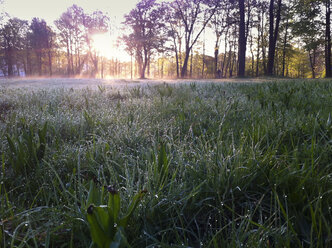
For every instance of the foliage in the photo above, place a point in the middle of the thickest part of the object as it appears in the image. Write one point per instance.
(106, 226)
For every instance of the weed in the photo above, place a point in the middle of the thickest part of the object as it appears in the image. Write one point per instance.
(101, 88)
(107, 228)
(165, 90)
(136, 92)
(27, 150)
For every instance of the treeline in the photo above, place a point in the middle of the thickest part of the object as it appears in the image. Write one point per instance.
(36, 49)
(287, 38)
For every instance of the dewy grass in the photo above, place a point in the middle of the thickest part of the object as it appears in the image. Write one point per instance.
(224, 165)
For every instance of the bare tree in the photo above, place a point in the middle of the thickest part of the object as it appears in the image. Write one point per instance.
(192, 13)
(146, 36)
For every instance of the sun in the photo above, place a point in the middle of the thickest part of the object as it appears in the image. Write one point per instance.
(106, 46)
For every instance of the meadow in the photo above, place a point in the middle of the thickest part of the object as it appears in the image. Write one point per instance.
(214, 164)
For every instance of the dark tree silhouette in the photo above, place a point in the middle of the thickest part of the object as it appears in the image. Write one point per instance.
(273, 33)
(328, 38)
(12, 39)
(242, 40)
(42, 43)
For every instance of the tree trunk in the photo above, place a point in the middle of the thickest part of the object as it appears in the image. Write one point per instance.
(185, 63)
(225, 56)
(216, 53)
(50, 62)
(28, 59)
(177, 65)
(68, 60)
(191, 64)
(273, 35)
(9, 57)
(180, 57)
(162, 67)
(229, 60)
(252, 56)
(203, 60)
(144, 64)
(312, 59)
(176, 58)
(39, 63)
(148, 65)
(131, 66)
(242, 40)
(328, 41)
(257, 55)
(284, 49)
(263, 43)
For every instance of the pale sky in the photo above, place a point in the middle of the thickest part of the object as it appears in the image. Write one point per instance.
(50, 10)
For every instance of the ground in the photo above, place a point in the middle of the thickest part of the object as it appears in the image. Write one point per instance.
(223, 163)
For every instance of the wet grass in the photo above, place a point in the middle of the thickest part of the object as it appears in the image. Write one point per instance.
(232, 165)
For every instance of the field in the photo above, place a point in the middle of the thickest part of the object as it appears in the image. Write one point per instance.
(212, 164)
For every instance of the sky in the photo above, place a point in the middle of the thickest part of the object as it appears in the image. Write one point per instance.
(49, 10)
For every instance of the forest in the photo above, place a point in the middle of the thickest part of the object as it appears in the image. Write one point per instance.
(169, 39)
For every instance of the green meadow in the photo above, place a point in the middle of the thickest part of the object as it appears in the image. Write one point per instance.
(205, 164)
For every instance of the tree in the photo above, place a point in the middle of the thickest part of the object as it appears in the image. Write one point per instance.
(71, 35)
(176, 32)
(146, 22)
(328, 38)
(191, 13)
(242, 40)
(273, 33)
(244, 25)
(42, 43)
(307, 27)
(220, 23)
(76, 35)
(11, 39)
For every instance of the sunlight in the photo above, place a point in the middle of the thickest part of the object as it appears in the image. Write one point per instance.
(105, 45)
